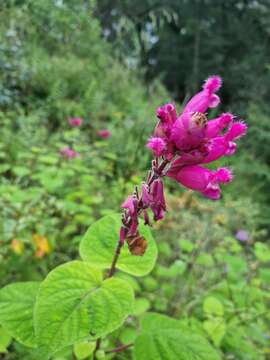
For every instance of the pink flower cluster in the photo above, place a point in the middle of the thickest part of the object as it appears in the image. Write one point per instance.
(69, 153)
(104, 134)
(75, 122)
(182, 145)
(192, 140)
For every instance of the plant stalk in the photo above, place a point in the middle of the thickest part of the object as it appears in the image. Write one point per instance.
(153, 176)
(119, 348)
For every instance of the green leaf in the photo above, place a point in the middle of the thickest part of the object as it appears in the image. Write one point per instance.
(186, 246)
(150, 283)
(21, 170)
(16, 310)
(74, 304)
(84, 349)
(237, 342)
(5, 340)
(164, 338)
(262, 251)
(141, 306)
(205, 260)
(212, 306)
(128, 335)
(152, 321)
(98, 246)
(216, 329)
(173, 345)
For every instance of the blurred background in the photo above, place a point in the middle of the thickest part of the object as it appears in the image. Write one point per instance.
(111, 64)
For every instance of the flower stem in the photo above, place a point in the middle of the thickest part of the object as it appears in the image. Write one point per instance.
(119, 348)
(110, 274)
(115, 258)
(98, 342)
(153, 176)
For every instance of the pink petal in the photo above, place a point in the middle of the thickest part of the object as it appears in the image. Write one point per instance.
(213, 83)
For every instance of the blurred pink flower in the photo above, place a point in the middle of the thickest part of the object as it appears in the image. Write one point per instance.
(105, 134)
(69, 153)
(242, 235)
(75, 122)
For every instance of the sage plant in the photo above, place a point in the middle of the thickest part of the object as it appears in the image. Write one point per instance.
(181, 146)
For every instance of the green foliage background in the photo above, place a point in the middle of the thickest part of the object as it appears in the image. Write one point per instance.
(112, 63)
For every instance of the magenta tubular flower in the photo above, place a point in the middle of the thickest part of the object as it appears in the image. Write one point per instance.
(131, 205)
(236, 131)
(167, 115)
(181, 145)
(146, 197)
(219, 147)
(215, 126)
(104, 134)
(189, 130)
(75, 122)
(69, 153)
(192, 157)
(206, 98)
(158, 204)
(199, 141)
(205, 181)
(224, 145)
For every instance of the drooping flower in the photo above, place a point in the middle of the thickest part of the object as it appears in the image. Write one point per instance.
(131, 206)
(157, 203)
(104, 134)
(75, 122)
(146, 198)
(69, 153)
(201, 179)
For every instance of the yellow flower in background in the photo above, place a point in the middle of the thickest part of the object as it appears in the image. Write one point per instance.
(118, 114)
(42, 245)
(221, 219)
(17, 246)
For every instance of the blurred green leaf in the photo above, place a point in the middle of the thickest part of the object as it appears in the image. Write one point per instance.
(16, 311)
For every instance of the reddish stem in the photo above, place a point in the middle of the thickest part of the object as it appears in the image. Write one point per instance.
(115, 258)
(119, 348)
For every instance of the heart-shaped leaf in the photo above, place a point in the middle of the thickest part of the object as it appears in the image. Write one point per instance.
(99, 243)
(74, 304)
